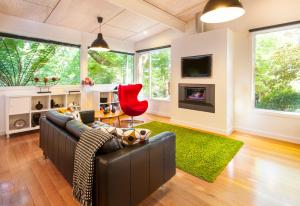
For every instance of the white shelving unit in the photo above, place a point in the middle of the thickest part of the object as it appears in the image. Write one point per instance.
(21, 109)
(105, 97)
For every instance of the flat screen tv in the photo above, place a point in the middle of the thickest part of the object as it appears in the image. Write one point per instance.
(196, 66)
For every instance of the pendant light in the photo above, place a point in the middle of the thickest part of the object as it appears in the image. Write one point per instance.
(99, 44)
(218, 11)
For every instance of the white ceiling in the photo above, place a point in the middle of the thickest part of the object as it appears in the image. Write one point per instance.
(183, 9)
(81, 15)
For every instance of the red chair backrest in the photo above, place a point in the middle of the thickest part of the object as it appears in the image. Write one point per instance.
(128, 94)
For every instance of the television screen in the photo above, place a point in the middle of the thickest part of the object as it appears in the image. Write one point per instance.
(196, 66)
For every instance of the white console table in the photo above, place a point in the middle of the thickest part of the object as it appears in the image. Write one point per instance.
(20, 109)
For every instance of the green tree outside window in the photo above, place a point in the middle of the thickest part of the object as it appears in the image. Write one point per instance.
(277, 70)
(110, 67)
(154, 73)
(22, 60)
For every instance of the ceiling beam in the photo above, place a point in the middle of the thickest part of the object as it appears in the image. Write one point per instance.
(145, 9)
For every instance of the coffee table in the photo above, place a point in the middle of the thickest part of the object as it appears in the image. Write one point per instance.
(100, 115)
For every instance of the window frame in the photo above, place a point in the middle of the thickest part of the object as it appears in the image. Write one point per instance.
(254, 109)
(148, 51)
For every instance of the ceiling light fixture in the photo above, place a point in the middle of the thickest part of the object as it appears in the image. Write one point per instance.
(99, 44)
(218, 11)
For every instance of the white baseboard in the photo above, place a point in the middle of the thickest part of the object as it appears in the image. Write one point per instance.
(2, 133)
(203, 127)
(163, 114)
(269, 135)
(239, 128)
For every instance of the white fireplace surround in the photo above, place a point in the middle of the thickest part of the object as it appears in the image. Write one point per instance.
(219, 43)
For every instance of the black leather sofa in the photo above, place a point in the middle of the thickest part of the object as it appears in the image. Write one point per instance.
(123, 176)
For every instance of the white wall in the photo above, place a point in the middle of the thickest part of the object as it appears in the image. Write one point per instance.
(22, 27)
(162, 39)
(219, 44)
(259, 13)
(159, 107)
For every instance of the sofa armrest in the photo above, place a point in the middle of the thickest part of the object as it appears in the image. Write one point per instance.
(87, 116)
(135, 171)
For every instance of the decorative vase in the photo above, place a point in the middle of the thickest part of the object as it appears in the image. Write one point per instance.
(52, 103)
(39, 106)
(113, 109)
(35, 119)
(106, 110)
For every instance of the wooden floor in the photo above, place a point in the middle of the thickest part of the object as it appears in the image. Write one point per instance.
(264, 172)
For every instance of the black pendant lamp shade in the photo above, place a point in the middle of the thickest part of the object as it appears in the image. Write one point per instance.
(99, 44)
(218, 11)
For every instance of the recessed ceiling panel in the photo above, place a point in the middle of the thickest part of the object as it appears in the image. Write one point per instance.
(47, 3)
(189, 14)
(175, 6)
(115, 32)
(25, 9)
(82, 14)
(148, 32)
(131, 22)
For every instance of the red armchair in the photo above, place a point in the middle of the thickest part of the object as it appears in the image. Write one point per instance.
(128, 98)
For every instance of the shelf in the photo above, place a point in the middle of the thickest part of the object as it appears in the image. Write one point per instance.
(39, 111)
(23, 130)
(74, 98)
(43, 100)
(12, 119)
(58, 108)
(22, 106)
(108, 103)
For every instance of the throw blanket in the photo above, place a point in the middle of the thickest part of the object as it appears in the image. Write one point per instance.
(89, 143)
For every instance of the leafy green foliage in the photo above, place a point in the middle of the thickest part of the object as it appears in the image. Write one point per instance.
(285, 100)
(160, 73)
(21, 61)
(110, 67)
(144, 73)
(155, 66)
(278, 70)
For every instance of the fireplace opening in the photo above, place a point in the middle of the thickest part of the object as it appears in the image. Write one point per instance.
(199, 97)
(195, 94)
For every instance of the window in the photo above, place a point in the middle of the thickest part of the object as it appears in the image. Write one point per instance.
(23, 59)
(110, 67)
(277, 70)
(154, 73)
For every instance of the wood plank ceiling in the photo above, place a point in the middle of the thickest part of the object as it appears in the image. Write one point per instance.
(81, 15)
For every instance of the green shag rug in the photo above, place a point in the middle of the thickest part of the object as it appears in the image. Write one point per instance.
(200, 154)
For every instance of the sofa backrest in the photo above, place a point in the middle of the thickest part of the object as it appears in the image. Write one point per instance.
(57, 118)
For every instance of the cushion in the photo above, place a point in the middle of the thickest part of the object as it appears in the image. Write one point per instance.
(97, 124)
(128, 136)
(58, 118)
(75, 115)
(87, 116)
(76, 128)
(111, 145)
(133, 136)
